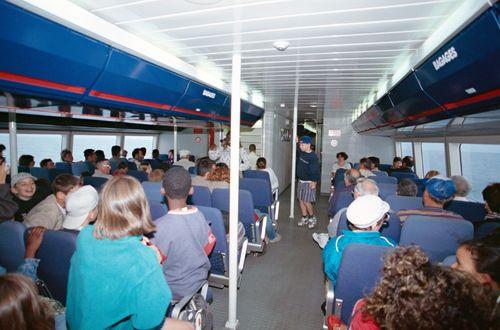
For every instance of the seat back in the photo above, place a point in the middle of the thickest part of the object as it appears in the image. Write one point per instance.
(256, 174)
(359, 271)
(55, 254)
(260, 189)
(384, 179)
(201, 196)
(23, 169)
(486, 228)
(192, 170)
(387, 189)
(398, 203)
(380, 173)
(391, 229)
(139, 175)
(79, 168)
(157, 209)
(220, 200)
(152, 191)
(384, 167)
(11, 244)
(343, 199)
(439, 237)
(214, 218)
(40, 173)
(66, 167)
(404, 175)
(132, 166)
(339, 178)
(94, 181)
(474, 212)
(55, 172)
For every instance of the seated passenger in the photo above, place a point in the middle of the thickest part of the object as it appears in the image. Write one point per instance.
(438, 191)
(219, 177)
(26, 195)
(431, 174)
(350, 178)
(365, 216)
(407, 187)
(115, 279)
(252, 156)
(375, 166)
(124, 154)
(462, 187)
(363, 187)
(401, 165)
(116, 156)
(396, 163)
(184, 161)
(491, 196)
(8, 207)
(365, 166)
(99, 155)
(203, 168)
(67, 156)
(184, 236)
(122, 169)
(262, 166)
(416, 294)
(340, 163)
(81, 208)
(90, 159)
(50, 212)
(137, 157)
(47, 163)
(156, 154)
(27, 161)
(481, 259)
(102, 169)
(156, 175)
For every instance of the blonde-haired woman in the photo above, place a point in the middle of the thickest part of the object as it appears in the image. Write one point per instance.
(115, 279)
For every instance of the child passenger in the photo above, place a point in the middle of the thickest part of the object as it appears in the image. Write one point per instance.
(26, 194)
(115, 279)
(184, 236)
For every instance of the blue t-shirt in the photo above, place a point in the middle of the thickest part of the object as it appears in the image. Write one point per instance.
(116, 284)
(332, 254)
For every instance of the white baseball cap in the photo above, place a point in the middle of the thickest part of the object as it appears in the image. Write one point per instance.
(78, 206)
(365, 211)
(20, 177)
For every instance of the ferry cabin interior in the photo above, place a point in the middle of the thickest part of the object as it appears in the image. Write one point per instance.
(378, 78)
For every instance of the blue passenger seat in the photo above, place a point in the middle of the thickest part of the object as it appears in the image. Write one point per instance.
(438, 237)
(398, 203)
(474, 212)
(384, 179)
(11, 244)
(40, 173)
(79, 168)
(152, 191)
(94, 181)
(201, 196)
(66, 167)
(139, 175)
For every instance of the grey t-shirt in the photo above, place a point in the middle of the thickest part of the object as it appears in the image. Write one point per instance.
(184, 236)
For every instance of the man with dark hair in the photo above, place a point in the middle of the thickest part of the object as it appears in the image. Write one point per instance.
(137, 157)
(491, 196)
(27, 161)
(183, 235)
(375, 166)
(67, 156)
(204, 167)
(438, 191)
(47, 163)
(252, 156)
(143, 151)
(50, 212)
(156, 153)
(116, 157)
(90, 159)
(2, 149)
(365, 166)
(406, 165)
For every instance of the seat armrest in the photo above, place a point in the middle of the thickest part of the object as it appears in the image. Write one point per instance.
(263, 228)
(243, 255)
(330, 297)
(179, 306)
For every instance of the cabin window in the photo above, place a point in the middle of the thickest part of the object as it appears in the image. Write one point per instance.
(406, 149)
(96, 142)
(433, 157)
(138, 141)
(39, 146)
(480, 166)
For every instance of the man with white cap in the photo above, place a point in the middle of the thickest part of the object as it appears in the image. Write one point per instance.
(81, 208)
(184, 161)
(365, 216)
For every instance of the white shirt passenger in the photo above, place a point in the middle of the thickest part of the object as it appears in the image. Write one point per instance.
(252, 159)
(223, 155)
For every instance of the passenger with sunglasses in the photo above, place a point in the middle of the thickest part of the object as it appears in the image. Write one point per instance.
(365, 216)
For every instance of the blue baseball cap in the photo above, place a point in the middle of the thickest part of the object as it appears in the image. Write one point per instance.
(440, 188)
(306, 139)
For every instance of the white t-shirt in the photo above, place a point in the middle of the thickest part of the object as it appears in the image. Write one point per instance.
(223, 155)
(336, 166)
(252, 159)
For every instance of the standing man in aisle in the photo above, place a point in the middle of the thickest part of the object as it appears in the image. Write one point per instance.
(308, 173)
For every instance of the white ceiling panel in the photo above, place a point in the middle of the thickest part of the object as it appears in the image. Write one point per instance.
(341, 48)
